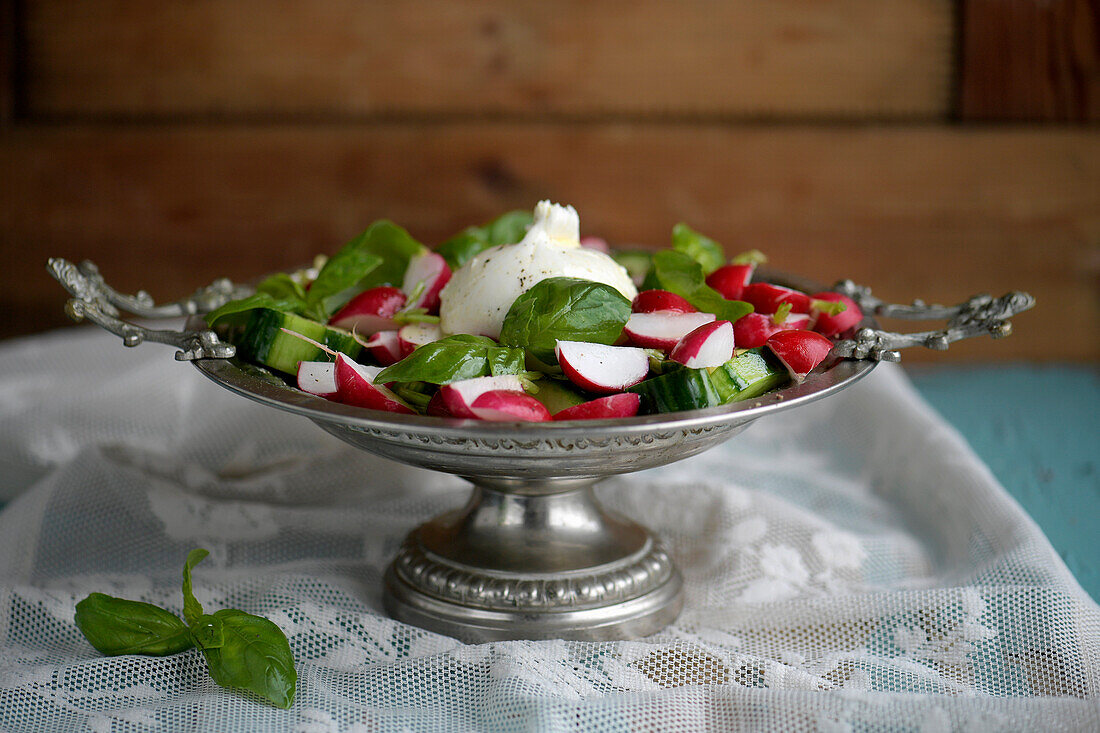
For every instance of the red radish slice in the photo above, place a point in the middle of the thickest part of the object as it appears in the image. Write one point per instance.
(663, 330)
(415, 335)
(766, 298)
(624, 404)
(385, 347)
(355, 386)
(602, 369)
(500, 405)
(317, 377)
(754, 329)
(800, 351)
(710, 345)
(730, 280)
(436, 408)
(660, 301)
(429, 272)
(830, 325)
(457, 397)
(597, 243)
(370, 311)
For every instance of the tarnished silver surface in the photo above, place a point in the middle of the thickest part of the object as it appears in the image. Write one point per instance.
(532, 554)
(97, 302)
(979, 316)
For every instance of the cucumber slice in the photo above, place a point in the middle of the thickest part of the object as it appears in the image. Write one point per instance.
(556, 395)
(743, 377)
(264, 343)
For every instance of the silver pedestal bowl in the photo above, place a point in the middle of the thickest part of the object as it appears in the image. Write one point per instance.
(532, 554)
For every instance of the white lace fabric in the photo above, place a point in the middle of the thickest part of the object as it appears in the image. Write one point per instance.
(849, 565)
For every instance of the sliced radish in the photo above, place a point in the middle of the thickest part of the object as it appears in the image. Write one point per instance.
(317, 377)
(501, 405)
(370, 311)
(710, 345)
(425, 276)
(661, 301)
(597, 243)
(662, 330)
(800, 351)
(436, 408)
(767, 298)
(829, 324)
(624, 404)
(457, 397)
(754, 329)
(415, 335)
(730, 280)
(602, 369)
(355, 386)
(385, 347)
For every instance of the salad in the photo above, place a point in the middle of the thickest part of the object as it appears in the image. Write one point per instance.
(524, 320)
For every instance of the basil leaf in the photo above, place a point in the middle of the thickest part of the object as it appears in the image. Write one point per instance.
(567, 309)
(508, 228)
(258, 300)
(192, 609)
(378, 256)
(638, 263)
(117, 626)
(453, 359)
(282, 286)
(254, 654)
(678, 273)
(708, 253)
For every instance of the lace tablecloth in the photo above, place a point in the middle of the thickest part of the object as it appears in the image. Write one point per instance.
(849, 565)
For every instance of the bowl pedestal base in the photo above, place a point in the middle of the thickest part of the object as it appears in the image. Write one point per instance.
(533, 560)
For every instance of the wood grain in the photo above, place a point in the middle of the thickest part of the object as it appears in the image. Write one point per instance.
(1031, 60)
(347, 58)
(9, 29)
(927, 212)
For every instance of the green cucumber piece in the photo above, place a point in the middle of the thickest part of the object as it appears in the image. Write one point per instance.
(748, 375)
(743, 377)
(556, 395)
(263, 341)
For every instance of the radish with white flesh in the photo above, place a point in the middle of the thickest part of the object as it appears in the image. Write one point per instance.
(730, 280)
(602, 369)
(830, 324)
(800, 351)
(414, 335)
(767, 298)
(660, 301)
(425, 276)
(707, 347)
(499, 405)
(384, 347)
(355, 386)
(662, 330)
(317, 377)
(371, 311)
(754, 329)
(624, 404)
(457, 397)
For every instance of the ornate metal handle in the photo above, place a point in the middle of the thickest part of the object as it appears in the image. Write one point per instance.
(101, 304)
(981, 314)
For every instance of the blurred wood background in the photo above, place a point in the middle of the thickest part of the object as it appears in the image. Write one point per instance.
(927, 148)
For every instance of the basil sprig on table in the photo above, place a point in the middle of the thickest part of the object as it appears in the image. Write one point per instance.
(241, 650)
(451, 359)
(566, 309)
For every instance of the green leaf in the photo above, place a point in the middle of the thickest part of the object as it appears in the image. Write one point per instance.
(192, 609)
(566, 309)
(117, 626)
(454, 358)
(637, 262)
(282, 286)
(705, 251)
(378, 256)
(258, 300)
(508, 228)
(254, 654)
(678, 273)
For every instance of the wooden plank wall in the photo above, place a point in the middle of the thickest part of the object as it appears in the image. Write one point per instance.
(176, 142)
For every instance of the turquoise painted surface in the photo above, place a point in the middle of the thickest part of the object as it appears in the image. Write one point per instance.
(1038, 429)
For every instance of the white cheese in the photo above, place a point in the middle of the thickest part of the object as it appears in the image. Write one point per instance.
(479, 294)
